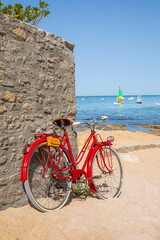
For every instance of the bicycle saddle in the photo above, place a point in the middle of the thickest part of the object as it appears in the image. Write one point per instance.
(62, 122)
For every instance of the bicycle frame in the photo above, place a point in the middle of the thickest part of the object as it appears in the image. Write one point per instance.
(73, 170)
(76, 173)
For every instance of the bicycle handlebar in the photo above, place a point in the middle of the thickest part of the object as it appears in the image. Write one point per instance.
(103, 118)
(63, 123)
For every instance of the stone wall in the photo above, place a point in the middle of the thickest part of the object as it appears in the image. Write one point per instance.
(37, 85)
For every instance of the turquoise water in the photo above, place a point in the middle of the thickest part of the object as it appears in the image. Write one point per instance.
(129, 113)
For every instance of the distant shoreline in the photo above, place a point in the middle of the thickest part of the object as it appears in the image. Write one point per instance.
(150, 128)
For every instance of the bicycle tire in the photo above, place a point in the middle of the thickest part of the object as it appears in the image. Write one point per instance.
(107, 184)
(46, 193)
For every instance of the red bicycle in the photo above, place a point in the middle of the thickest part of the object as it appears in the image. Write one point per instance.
(49, 169)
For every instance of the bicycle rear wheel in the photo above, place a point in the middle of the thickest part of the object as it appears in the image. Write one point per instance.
(44, 191)
(107, 183)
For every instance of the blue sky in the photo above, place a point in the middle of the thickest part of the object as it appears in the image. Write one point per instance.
(117, 43)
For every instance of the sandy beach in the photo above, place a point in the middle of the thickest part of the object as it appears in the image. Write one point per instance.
(133, 216)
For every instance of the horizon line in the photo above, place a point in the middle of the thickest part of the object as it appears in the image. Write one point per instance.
(116, 95)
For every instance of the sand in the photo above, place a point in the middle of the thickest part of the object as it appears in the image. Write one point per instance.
(134, 215)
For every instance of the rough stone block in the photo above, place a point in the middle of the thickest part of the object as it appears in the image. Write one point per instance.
(69, 98)
(10, 97)
(26, 107)
(20, 33)
(3, 181)
(3, 160)
(3, 109)
(29, 117)
(12, 141)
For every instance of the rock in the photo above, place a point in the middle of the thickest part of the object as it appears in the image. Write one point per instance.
(10, 97)
(43, 127)
(7, 84)
(3, 109)
(67, 76)
(3, 160)
(51, 66)
(69, 45)
(3, 141)
(17, 49)
(12, 141)
(29, 128)
(21, 139)
(20, 33)
(29, 117)
(26, 107)
(3, 182)
(72, 110)
(14, 126)
(51, 86)
(42, 76)
(53, 60)
(51, 101)
(69, 98)
(40, 100)
(64, 65)
(45, 85)
(41, 94)
(8, 118)
(47, 110)
(20, 98)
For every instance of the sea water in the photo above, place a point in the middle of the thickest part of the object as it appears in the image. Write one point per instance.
(130, 113)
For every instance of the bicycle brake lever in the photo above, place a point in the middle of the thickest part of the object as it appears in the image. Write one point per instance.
(105, 118)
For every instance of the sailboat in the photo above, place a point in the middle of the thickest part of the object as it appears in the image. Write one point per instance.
(139, 100)
(119, 97)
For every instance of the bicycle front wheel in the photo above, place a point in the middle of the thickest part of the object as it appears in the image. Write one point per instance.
(107, 173)
(45, 192)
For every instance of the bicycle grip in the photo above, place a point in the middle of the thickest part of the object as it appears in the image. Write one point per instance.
(76, 123)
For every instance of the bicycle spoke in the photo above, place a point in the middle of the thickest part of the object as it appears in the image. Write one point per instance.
(107, 184)
(44, 191)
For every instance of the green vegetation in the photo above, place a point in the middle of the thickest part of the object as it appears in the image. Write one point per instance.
(82, 191)
(32, 15)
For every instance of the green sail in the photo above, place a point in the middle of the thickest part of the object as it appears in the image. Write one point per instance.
(120, 98)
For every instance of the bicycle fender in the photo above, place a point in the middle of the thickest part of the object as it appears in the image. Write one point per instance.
(89, 166)
(26, 158)
(107, 143)
(89, 171)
